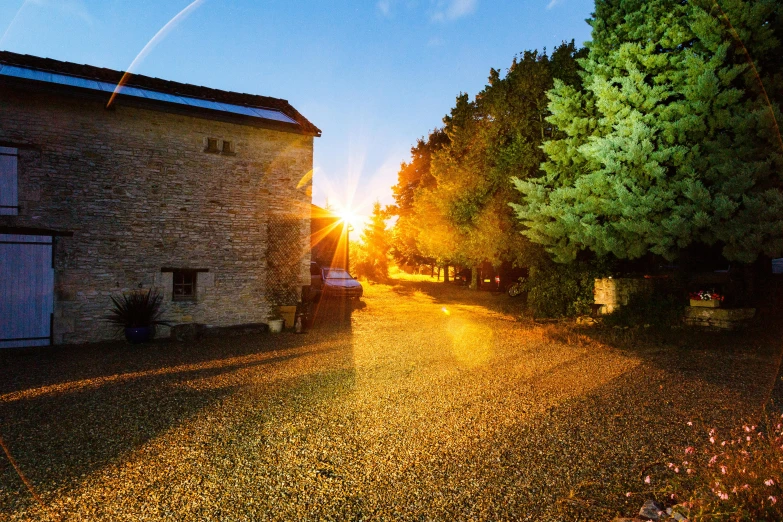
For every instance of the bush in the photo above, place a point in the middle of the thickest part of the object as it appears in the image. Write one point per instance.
(660, 309)
(555, 290)
(137, 309)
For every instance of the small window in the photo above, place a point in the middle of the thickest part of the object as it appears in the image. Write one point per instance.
(9, 196)
(212, 145)
(228, 147)
(184, 288)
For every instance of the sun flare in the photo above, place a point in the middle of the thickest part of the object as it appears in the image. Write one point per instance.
(349, 216)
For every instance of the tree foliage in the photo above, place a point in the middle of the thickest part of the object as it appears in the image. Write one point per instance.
(452, 198)
(671, 141)
(373, 258)
(411, 178)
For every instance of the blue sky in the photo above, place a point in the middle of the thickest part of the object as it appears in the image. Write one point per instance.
(374, 75)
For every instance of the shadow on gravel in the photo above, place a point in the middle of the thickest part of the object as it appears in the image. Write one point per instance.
(334, 313)
(67, 411)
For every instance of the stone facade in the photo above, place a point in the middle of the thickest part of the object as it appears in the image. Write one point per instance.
(612, 293)
(718, 318)
(140, 192)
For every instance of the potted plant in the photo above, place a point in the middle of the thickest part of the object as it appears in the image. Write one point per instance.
(138, 312)
(706, 298)
(276, 321)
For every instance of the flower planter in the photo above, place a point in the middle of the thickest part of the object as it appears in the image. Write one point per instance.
(138, 335)
(711, 303)
(289, 315)
(276, 325)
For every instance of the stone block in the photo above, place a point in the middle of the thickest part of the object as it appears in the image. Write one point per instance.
(718, 318)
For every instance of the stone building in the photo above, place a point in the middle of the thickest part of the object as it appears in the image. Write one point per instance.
(204, 194)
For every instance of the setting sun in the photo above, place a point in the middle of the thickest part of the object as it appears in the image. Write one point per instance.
(349, 216)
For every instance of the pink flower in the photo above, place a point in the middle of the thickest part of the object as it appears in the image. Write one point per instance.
(647, 479)
(689, 471)
(676, 470)
(713, 460)
(723, 469)
(747, 438)
(690, 423)
(689, 450)
(769, 482)
(628, 494)
(773, 500)
(671, 465)
(723, 496)
(723, 443)
(746, 428)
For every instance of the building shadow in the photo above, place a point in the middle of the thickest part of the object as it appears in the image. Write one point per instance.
(67, 412)
(334, 313)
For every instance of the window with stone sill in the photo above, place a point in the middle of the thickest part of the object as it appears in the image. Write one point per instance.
(9, 195)
(184, 287)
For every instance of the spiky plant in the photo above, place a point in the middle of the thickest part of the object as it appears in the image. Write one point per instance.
(137, 309)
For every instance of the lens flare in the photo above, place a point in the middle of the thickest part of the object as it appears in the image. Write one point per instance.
(151, 44)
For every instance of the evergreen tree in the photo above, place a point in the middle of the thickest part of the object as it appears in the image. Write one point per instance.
(672, 141)
(375, 264)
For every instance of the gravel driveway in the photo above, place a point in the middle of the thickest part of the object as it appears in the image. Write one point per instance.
(429, 403)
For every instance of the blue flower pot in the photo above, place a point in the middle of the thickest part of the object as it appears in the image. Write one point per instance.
(138, 335)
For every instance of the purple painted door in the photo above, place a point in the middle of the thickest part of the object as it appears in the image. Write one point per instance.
(26, 290)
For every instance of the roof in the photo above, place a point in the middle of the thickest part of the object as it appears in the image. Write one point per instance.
(153, 92)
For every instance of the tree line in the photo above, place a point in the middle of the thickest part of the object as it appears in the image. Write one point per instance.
(658, 140)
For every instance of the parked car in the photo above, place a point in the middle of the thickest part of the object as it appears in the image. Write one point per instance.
(462, 277)
(339, 283)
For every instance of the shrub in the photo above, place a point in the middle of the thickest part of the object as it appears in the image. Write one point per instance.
(659, 309)
(136, 309)
(563, 290)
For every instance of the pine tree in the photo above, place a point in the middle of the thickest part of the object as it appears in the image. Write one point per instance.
(672, 142)
(376, 239)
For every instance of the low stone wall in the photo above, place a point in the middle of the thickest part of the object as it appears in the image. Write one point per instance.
(612, 293)
(718, 318)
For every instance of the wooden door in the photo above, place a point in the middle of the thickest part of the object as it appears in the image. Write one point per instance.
(26, 290)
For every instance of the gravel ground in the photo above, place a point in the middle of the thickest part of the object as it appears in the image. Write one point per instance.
(428, 403)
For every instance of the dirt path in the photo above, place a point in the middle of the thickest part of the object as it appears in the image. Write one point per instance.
(430, 405)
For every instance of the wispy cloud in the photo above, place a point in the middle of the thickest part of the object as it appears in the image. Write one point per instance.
(553, 3)
(75, 8)
(384, 6)
(447, 10)
(435, 41)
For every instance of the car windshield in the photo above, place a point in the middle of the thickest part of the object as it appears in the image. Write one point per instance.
(337, 273)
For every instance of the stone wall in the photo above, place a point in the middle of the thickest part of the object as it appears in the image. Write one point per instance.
(718, 318)
(612, 293)
(139, 193)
